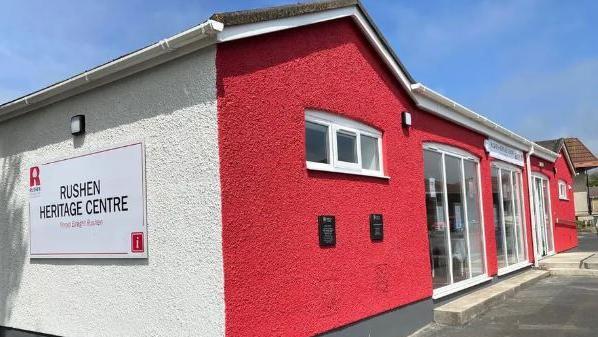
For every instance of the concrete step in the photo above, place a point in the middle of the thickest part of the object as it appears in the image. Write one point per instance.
(463, 309)
(546, 265)
(591, 263)
(573, 272)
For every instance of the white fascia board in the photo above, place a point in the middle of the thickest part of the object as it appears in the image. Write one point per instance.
(544, 153)
(473, 122)
(442, 106)
(198, 33)
(253, 29)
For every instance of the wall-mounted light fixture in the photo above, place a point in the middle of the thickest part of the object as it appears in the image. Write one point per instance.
(406, 119)
(541, 164)
(78, 125)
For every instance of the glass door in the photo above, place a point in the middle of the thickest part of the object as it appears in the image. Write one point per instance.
(454, 219)
(542, 218)
(508, 219)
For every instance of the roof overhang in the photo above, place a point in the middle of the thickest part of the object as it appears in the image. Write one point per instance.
(354, 11)
(240, 25)
(568, 159)
(435, 103)
(252, 23)
(150, 56)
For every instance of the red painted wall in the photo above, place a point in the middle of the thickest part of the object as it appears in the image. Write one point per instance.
(278, 281)
(563, 211)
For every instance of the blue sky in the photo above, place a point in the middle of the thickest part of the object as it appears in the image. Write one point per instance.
(529, 65)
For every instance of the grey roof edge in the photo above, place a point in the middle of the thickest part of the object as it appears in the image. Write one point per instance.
(228, 19)
(553, 145)
(45, 95)
(279, 12)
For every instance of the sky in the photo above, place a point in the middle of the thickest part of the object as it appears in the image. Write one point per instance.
(529, 65)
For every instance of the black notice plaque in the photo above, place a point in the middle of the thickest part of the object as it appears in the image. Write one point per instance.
(376, 227)
(326, 230)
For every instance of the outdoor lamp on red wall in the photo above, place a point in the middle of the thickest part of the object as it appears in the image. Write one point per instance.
(78, 125)
(406, 119)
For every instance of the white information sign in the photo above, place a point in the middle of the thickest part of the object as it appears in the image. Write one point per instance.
(89, 206)
(503, 152)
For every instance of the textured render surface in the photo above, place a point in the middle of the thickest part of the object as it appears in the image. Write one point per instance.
(275, 272)
(178, 291)
(565, 231)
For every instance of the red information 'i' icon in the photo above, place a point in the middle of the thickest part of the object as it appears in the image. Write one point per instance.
(137, 242)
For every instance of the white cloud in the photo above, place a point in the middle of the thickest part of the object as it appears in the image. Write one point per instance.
(553, 104)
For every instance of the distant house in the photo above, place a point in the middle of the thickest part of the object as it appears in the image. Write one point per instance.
(594, 199)
(582, 160)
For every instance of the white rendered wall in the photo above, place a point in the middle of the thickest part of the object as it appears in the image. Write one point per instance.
(178, 291)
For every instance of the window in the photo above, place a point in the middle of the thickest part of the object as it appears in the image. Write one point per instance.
(455, 228)
(508, 219)
(316, 144)
(563, 190)
(337, 144)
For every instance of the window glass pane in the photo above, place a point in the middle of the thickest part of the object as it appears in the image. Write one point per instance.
(500, 251)
(458, 241)
(539, 214)
(347, 146)
(476, 238)
(369, 153)
(316, 143)
(547, 219)
(437, 226)
(519, 218)
(509, 216)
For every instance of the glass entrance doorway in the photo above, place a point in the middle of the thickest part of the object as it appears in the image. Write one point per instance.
(455, 228)
(542, 217)
(509, 225)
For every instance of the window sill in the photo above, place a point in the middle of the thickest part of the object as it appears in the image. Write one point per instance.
(563, 199)
(515, 267)
(456, 287)
(316, 167)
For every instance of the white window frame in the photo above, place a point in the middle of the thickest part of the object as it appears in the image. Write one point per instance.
(340, 124)
(501, 166)
(563, 195)
(472, 281)
(548, 204)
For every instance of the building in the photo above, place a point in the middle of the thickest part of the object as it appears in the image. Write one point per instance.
(297, 181)
(583, 160)
(593, 190)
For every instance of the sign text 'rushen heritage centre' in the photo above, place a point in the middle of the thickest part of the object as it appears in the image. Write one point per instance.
(92, 205)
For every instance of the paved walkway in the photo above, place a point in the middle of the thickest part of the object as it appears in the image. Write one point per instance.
(588, 242)
(553, 307)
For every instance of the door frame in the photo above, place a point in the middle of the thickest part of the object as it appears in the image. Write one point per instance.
(534, 176)
(517, 172)
(447, 150)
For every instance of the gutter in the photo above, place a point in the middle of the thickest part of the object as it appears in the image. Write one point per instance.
(523, 143)
(203, 31)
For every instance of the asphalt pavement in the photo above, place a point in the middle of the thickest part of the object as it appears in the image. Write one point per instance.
(553, 307)
(588, 242)
(557, 306)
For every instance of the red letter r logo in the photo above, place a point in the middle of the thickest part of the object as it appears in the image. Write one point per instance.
(34, 176)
